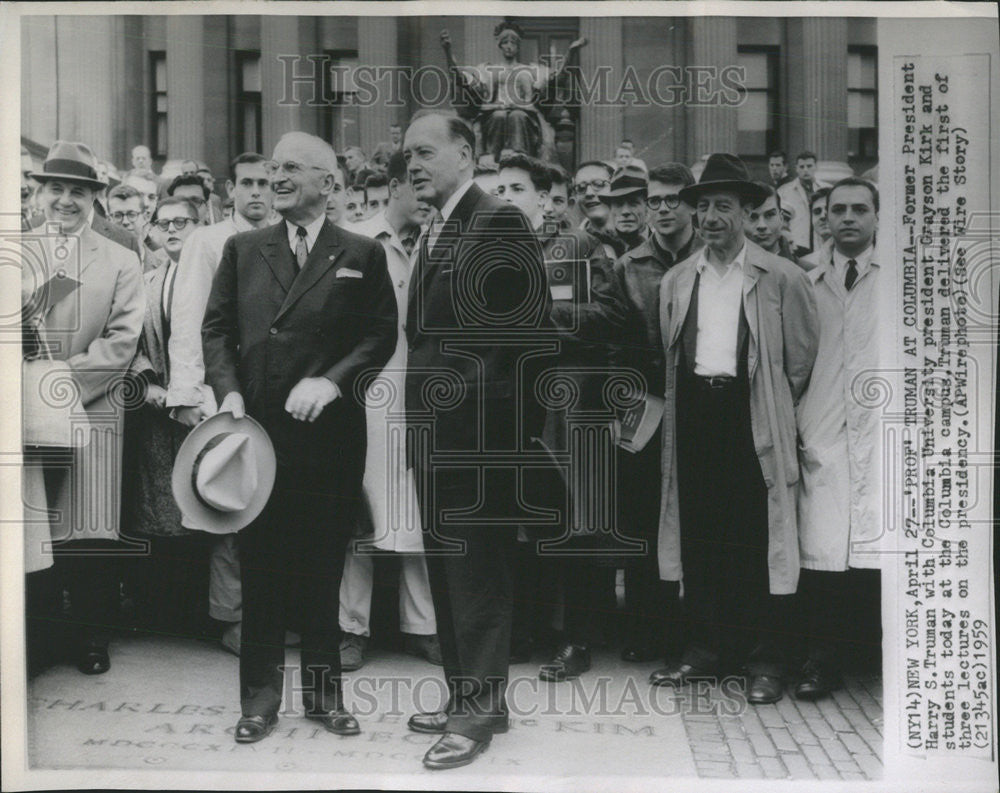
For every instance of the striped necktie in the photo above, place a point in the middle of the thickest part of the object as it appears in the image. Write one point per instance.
(301, 249)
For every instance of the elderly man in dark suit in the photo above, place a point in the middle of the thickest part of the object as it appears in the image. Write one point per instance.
(298, 312)
(478, 308)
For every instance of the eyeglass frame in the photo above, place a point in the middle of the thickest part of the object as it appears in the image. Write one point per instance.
(580, 188)
(271, 167)
(180, 223)
(671, 201)
(131, 215)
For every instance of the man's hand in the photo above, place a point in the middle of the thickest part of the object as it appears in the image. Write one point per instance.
(577, 45)
(190, 416)
(446, 40)
(156, 395)
(233, 403)
(309, 397)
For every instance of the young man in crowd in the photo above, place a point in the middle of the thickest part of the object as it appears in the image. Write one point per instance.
(839, 497)
(777, 168)
(376, 194)
(590, 312)
(560, 199)
(765, 226)
(191, 187)
(817, 207)
(651, 603)
(125, 207)
(592, 180)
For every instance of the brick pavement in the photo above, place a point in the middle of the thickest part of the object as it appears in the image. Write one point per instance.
(835, 738)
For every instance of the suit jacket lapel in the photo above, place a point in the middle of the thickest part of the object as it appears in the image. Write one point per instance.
(428, 261)
(321, 258)
(154, 303)
(278, 256)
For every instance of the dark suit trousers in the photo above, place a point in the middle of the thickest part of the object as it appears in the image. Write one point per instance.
(840, 617)
(472, 592)
(651, 605)
(724, 533)
(292, 563)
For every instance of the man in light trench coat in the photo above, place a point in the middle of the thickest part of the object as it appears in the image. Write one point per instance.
(739, 333)
(839, 498)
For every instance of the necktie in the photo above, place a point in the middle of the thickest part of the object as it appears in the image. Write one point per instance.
(301, 250)
(408, 243)
(852, 274)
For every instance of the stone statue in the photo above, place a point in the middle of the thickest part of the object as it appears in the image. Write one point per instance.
(505, 97)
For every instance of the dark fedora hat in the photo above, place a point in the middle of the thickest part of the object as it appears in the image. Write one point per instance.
(726, 173)
(627, 180)
(71, 162)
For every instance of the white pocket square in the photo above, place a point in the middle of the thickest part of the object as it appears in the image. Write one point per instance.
(347, 272)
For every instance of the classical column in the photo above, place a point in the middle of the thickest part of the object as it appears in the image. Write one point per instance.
(85, 54)
(824, 44)
(279, 37)
(710, 127)
(377, 46)
(601, 124)
(186, 133)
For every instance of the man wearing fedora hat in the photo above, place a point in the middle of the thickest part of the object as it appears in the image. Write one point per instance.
(298, 312)
(740, 334)
(627, 201)
(67, 152)
(94, 330)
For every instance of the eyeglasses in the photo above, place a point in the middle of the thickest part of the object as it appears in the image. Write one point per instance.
(598, 184)
(178, 223)
(290, 167)
(195, 200)
(131, 215)
(671, 201)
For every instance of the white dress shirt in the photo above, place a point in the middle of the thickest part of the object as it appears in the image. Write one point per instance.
(719, 300)
(312, 232)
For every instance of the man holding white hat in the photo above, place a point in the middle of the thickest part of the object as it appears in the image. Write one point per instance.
(298, 312)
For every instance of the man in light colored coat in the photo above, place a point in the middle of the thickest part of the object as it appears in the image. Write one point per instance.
(739, 334)
(95, 331)
(839, 497)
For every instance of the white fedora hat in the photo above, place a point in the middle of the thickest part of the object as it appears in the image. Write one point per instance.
(223, 474)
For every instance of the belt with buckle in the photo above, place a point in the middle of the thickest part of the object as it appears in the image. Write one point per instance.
(716, 382)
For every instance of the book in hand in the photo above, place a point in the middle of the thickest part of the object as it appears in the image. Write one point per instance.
(635, 425)
(569, 279)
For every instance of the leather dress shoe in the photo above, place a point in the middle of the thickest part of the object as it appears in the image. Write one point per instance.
(437, 721)
(251, 729)
(570, 662)
(818, 680)
(680, 675)
(338, 721)
(93, 659)
(765, 689)
(453, 751)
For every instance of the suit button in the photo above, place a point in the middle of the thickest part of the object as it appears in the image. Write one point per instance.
(273, 331)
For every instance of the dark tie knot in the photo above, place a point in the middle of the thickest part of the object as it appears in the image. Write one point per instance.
(852, 274)
(301, 231)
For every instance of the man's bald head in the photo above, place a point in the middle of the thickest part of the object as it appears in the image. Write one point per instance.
(302, 175)
(312, 150)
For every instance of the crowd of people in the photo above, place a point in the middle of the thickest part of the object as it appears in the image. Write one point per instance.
(739, 512)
